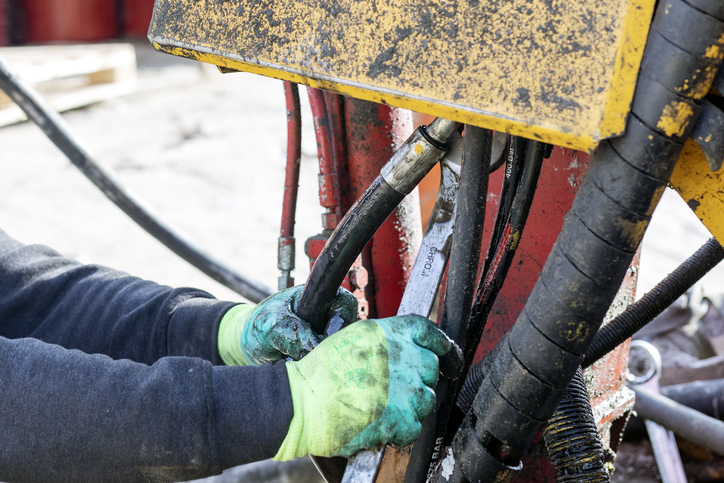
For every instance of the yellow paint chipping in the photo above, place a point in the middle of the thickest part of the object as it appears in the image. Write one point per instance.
(633, 232)
(713, 52)
(675, 118)
(702, 190)
(562, 72)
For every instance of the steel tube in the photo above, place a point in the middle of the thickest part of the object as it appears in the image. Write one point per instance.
(686, 422)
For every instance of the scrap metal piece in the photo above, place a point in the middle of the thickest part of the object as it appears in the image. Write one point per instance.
(663, 442)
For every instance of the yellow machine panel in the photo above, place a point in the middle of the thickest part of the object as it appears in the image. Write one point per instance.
(702, 190)
(563, 72)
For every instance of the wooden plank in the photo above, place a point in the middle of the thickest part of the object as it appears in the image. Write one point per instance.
(70, 76)
(12, 114)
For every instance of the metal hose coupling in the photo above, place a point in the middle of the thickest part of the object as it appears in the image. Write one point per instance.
(418, 155)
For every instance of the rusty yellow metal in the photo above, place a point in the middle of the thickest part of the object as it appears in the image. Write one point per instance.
(702, 190)
(557, 70)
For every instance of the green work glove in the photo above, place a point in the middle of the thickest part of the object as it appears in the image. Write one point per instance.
(265, 333)
(368, 384)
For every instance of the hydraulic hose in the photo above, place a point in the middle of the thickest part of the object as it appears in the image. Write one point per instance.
(329, 187)
(101, 175)
(459, 292)
(503, 250)
(590, 257)
(571, 437)
(399, 176)
(665, 293)
(286, 249)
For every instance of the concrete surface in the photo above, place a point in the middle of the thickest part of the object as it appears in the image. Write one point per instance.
(207, 151)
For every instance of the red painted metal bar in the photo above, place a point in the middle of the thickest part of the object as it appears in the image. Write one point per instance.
(374, 131)
(286, 253)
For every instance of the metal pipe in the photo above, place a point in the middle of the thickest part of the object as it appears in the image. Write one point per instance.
(101, 175)
(665, 293)
(286, 251)
(686, 422)
(335, 113)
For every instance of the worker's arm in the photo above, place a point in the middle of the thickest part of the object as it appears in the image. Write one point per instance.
(70, 416)
(102, 311)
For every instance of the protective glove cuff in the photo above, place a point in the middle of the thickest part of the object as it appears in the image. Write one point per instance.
(295, 443)
(230, 332)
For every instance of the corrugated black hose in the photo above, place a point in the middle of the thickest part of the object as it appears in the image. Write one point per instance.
(602, 232)
(572, 439)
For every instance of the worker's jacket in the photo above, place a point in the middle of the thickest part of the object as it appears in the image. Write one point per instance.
(106, 377)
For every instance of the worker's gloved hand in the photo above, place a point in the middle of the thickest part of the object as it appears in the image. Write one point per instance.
(368, 384)
(265, 333)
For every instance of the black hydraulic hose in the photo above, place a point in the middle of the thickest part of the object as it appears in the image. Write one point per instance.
(640, 313)
(422, 150)
(572, 440)
(343, 247)
(58, 131)
(591, 255)
(502, 254)
(513, 159)
(459, 292)
(399, 176)
(571, 437)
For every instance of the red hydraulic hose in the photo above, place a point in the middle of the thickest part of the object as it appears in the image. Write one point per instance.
(329, 196)
(286, 253)
(335, 114)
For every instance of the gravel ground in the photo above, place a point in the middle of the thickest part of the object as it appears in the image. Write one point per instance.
(207, 152)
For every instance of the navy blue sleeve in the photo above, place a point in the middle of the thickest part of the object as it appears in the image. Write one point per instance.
(102, 311)
(87, 412)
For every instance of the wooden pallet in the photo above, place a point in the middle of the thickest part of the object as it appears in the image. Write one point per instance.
(70, 76)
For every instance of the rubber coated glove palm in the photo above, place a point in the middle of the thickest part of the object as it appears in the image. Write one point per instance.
(268, 332)
(368, 384)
